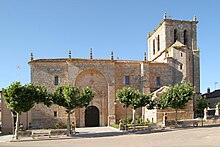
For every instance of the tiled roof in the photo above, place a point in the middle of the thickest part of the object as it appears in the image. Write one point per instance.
(213, 94)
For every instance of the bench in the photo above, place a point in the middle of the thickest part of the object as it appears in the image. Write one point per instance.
(138, 128)
(36, 133)
(153, 127)
(149, 127)
(192, 122)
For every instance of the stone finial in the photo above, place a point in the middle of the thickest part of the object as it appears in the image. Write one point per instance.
(91, 53)
(112, 55)
(165, 15)
(148, 34)
(208, 90)
(32, 57)
(70, 54)
(194, 19)
(145, 56)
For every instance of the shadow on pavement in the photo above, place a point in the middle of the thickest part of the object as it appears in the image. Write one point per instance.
(79, 135)
(108, 134)
(88, 134)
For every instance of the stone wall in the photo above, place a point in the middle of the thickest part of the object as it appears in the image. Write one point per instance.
(8, 119)
(43, 73)
(105, 77)
(156, 115)
(162, 39)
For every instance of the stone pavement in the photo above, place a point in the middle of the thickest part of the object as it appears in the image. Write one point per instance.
(180, 137)
(87, 132)
(5, 138)
(80, 133)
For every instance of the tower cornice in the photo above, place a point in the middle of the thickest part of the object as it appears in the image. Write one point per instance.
(171, 20)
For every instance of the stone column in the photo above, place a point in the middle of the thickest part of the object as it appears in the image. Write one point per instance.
(111, 104)
(205, 114)
(72, 72)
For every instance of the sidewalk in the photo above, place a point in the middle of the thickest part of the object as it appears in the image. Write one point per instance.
(88, 132)
(80, 133)
(5, 138)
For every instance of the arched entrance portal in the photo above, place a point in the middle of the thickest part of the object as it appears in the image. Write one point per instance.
(92, 117)
(97, 81)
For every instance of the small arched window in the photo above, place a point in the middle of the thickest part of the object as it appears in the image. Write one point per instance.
(158, 42)
(185, 37)
(175, 35)
(56, 80)
(181, 66)
(127, 80)
(157, 81)
(153, 47)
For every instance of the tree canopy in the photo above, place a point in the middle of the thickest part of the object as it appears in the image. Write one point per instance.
(19, 98)
(67, 96)
(176, 96)
(70, 97)
(125, 95)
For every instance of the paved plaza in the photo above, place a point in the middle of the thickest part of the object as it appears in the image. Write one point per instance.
(106, 136)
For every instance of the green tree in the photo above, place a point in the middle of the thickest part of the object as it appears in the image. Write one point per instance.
(70, 98)
(201, 104)
(125, 96)
(176, 97)
(140, 100)
(20, 99)
(131, 97)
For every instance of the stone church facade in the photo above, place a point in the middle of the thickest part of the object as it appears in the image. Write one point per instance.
(173, 57)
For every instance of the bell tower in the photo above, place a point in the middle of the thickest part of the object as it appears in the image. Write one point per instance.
(175, 42)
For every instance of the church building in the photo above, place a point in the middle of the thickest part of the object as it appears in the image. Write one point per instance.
(173, 57)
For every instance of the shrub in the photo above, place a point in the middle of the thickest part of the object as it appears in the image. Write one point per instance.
(144, 123)
(129, 125)
(139, 120)
(115, 126)
(60, 125)
(129, 120)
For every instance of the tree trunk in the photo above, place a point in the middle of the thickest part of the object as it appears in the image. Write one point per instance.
(126, 120)
(202, 112)
(134, 118)
(176, 118)
(68, 123)
(17, 126)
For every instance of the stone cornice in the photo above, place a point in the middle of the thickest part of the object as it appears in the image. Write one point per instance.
(64, 60)
(170, 20)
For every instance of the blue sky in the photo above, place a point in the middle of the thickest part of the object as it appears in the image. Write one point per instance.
(49, 28)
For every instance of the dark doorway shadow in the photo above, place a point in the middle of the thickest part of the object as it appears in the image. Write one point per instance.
(92, 117)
